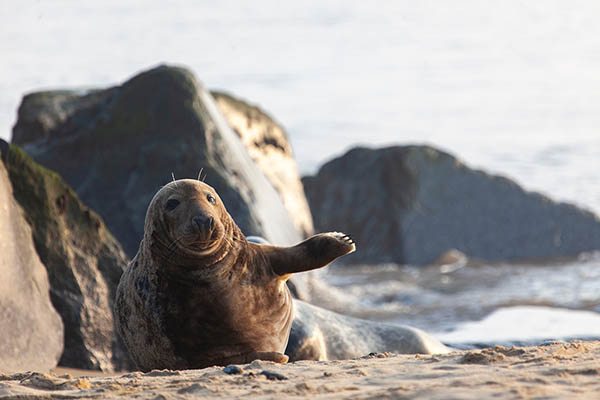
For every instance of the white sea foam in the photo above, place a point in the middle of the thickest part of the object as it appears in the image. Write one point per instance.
(526, 324)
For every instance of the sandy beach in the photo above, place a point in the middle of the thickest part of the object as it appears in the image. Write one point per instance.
(558, 370)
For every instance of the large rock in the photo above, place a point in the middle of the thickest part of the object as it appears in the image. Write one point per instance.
(32, 332)
(409, 204)
(269, 147)
(83, 260)
(116, 147)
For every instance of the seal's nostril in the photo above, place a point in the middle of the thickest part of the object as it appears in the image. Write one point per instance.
(203, 222)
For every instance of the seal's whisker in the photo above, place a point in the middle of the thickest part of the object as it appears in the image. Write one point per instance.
(171, 188)
(172, 247)
(200, 173)
(173, 244)
(174, 180)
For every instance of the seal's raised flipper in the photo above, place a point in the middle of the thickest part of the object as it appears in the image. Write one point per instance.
(315, 252)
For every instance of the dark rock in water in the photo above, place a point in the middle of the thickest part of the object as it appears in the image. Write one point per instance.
(409, 204)
(269, 147)
(32, 332)
(116, 147)
(83, 260)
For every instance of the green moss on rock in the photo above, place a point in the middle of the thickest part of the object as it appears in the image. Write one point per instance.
(83, 260)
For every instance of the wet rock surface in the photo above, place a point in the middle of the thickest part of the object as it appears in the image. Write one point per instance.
(83, 261)
(32, 331)
(117, 146)
(409, 204)
(270, 148)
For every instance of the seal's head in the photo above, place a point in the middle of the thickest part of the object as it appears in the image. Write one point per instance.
(187, 218)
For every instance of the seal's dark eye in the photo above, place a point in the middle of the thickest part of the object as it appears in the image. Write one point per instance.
(171, 204)
(211, 199)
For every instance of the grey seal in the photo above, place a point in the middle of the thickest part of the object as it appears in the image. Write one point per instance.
(198, 293)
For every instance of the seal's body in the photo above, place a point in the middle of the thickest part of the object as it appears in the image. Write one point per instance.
(199, 294)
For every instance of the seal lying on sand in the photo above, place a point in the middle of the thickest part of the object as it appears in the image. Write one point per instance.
(198, 294)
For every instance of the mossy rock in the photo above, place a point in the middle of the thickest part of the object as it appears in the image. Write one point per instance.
(84, 262)
(32, 330)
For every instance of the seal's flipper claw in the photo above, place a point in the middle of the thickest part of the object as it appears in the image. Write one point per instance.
(347, 244)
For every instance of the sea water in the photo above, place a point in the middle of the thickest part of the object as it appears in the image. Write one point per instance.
(511, 87)
(478, 303)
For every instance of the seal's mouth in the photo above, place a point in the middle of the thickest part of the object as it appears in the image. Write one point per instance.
(202, 241)
(204, 234)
